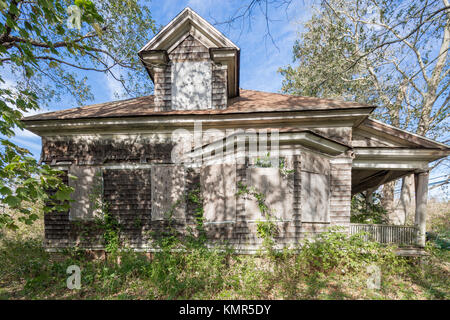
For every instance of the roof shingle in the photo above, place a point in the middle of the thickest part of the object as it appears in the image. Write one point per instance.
(249, 101)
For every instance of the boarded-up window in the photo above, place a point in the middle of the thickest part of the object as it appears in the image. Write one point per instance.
(191, 85)
(218, 183)
(87, 190)
(315, 163)
(278, 190)
(315, 187)
(128, 193)
(168, 192)
(315, 194)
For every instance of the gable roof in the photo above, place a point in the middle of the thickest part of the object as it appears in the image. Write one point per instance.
(188, 22)
(249, 101)
(372, 133)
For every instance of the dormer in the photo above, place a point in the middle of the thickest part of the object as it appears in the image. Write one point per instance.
(192, 65)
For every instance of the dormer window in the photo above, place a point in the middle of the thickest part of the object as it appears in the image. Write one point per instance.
(193, 66)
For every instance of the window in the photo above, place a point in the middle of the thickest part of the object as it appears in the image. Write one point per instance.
(168, 192)
(278, 190)
(191, 85)
(315, 188)
(88, 187)
(128, 192)
(219, 192)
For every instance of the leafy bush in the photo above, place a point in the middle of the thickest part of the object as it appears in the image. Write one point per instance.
(335, 250)
(332, 265)
(371, 212)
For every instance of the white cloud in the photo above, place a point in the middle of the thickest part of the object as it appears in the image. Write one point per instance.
(32, 144)
(8, 84)
(260, 59)
(32, 112)
(27, 139)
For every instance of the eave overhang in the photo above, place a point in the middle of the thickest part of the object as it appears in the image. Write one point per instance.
(395, 158)
(238, 145)
(229, 57)
(214, 120)
(400, 154)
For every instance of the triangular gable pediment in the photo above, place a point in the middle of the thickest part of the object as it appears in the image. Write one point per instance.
(376, 134)
(222, 52)
(189, 49)
(188, 23)
(362, 138)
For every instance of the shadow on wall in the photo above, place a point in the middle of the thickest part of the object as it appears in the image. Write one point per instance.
(191, 85)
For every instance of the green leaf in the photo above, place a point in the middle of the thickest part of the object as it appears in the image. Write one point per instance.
(10, 23)
(98, 29)
(62, 195)
(12, 201)
(3, 5)
(28, 25)
(53, 64)
(5, 191)
(24, 33)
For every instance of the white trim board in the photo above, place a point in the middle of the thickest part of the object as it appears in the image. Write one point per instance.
(389, 165)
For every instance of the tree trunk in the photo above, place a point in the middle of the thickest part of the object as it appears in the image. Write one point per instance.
(387, 200)
(406, 207)
(369, 196)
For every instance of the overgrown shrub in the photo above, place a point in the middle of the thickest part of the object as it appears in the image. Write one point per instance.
(333, 265)
(336, 250)
(365, 211)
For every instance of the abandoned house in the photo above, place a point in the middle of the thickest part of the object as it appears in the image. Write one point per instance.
(199, 132)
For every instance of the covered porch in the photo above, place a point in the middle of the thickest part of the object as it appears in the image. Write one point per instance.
(367, 180)
(382, 154)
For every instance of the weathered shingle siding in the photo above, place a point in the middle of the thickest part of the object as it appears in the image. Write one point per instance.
(57, 224)
(189, 49)
(192, 186)
(297, 217)
(219, 87)
(341, 187)
(163, 88)
(128, 193)
(340, 134)
(104, 150)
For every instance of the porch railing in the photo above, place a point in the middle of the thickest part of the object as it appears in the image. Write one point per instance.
(386, 233)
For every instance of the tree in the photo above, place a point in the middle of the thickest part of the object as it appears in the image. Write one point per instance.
(43, 46)
(394, 56)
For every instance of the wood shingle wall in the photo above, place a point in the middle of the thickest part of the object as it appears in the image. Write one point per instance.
(127, 194)
(341, 188)
(133, 184)
(57, 225)
(163, 87)
(104, 150)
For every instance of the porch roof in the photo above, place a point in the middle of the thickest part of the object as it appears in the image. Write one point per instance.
(384, 153)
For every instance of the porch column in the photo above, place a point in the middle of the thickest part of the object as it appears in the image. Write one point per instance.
(421, 181)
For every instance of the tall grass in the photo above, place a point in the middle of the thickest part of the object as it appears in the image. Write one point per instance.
(332, 266)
